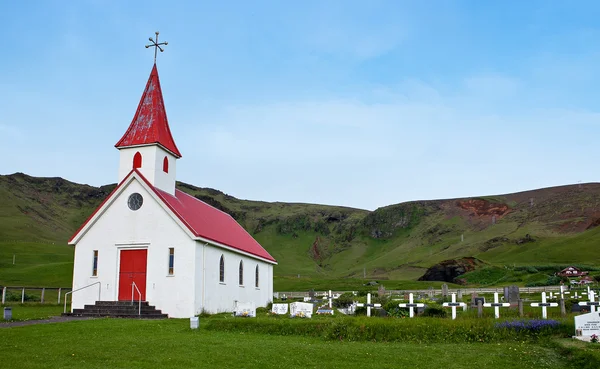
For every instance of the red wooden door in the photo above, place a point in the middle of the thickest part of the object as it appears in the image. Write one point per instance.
(132, 269)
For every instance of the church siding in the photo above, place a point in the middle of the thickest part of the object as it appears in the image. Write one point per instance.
(149, 227)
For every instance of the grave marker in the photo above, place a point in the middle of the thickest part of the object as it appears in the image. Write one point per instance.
(454, 304)
(368, 305)
(279, 309)
(496, 305)
(586, 325)
(245, 309)
(411, 305)
(330, 298)
(592, 304)
(544, 305)
(444, 290)
(301, 309)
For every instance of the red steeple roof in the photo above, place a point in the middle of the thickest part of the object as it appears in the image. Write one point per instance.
(150, 124)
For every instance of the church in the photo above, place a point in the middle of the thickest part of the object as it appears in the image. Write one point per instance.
(152, 240)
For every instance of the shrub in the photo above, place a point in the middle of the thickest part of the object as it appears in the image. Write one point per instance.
(344, 300)
(435, 311)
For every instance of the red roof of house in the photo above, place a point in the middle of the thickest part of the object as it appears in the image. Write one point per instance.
(150, 124)
(201, 219)
(208, 222)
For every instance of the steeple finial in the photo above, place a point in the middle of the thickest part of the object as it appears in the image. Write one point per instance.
(156, 45)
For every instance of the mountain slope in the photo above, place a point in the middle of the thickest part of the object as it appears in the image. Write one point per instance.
(548, 226)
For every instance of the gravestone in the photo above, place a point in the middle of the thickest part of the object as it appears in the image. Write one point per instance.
(459, 294)
(430, 293)
(496, 305)
(544, 305)
(474, 295)
(307, 299)
(279, 309)
(511, 295)
(369, 305)
(324, 310)
(245, 309)
(311, 294)
(586, 325)
(454, 305)
(381, 291)
(301, 309)
(411, 305)
(444, 290)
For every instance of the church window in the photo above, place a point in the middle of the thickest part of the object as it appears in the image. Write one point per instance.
(256, 277)
(222, 269)
(135, 201)
(137, 160)
(95, 265)
(166, 165)
(241, 276)
(171, 259)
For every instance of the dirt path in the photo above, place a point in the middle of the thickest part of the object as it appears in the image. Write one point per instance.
(55, 319)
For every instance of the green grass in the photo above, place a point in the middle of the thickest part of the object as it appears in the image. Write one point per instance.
(22, 312)
(121, 343)
(36, 264)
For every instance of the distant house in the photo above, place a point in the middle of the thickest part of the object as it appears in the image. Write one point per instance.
(586, 280)
(571, 272)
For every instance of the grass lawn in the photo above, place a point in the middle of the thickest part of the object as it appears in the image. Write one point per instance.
(119, 343)
(32, 311)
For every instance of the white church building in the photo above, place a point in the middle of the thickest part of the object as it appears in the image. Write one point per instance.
(183, 255)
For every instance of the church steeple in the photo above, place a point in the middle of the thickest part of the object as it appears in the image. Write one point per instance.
(148, 145)
(150, 125)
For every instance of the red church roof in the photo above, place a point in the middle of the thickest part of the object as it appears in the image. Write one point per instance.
(150, 124)
(200, 218)
(208, 222)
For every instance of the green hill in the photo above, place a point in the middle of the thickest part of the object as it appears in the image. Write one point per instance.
(318, 245)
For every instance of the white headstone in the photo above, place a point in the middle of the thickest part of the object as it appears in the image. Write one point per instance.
(246, 309)
(586, 325)
(411, 305)
(279, 309)
(301, 309)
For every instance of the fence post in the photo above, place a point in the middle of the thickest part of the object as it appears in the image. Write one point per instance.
(3, 295)
(59, 294)
(23, 296)
(43, 292)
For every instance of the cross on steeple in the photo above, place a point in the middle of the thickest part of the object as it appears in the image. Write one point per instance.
(156, 45)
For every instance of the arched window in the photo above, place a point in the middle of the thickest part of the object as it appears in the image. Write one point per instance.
(256, 277)
(241, 277)
(222, 269)
(137, 160)
(166, 165)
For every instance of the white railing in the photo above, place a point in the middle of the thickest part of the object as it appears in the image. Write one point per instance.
(79, 289)
(133, 285)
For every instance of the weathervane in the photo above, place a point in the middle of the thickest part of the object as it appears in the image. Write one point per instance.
(156, 45)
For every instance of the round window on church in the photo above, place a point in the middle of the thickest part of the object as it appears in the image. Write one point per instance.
(135, 201)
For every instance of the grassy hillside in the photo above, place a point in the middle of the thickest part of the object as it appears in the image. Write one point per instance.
(316, 244)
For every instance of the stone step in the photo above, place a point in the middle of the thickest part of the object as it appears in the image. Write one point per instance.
(132, 316)
(136, 306)
(120, 303)
(116, 311)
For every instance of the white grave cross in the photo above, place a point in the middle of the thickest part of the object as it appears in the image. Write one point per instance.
(496, 305)
(411, 305)
(330, 298)
(592, 304)
(544, 305)
(368, 304)
(454, 304)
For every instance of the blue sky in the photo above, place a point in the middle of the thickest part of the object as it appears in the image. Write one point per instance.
(354, 103)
